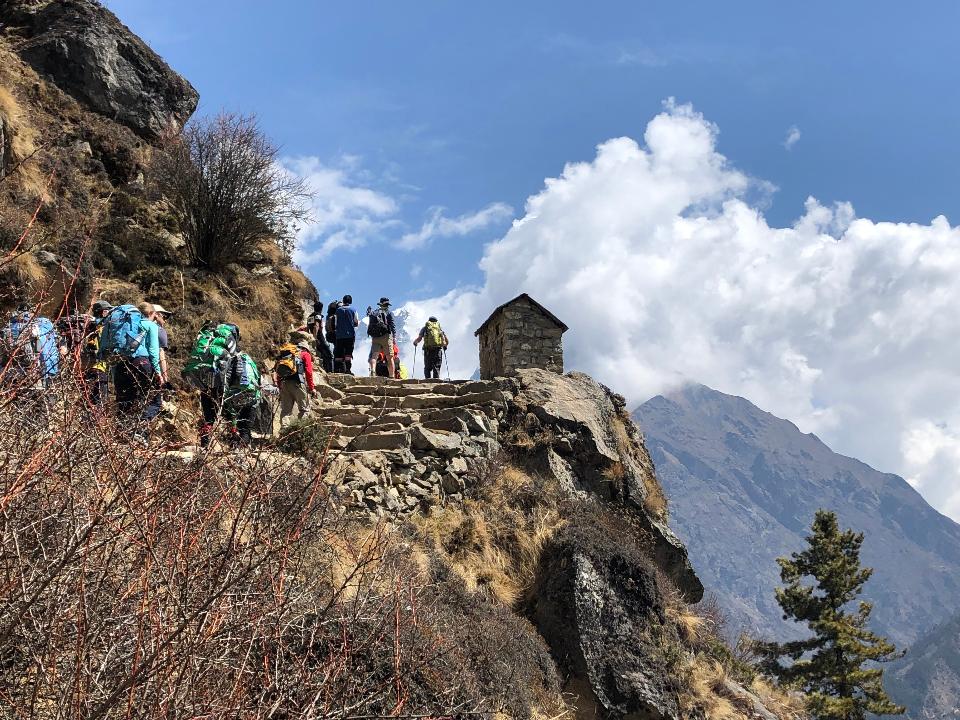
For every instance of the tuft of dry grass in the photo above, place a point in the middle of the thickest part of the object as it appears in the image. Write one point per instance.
(23, 145)
(706, 691)
(494, 542)
(785, 705)
(691, 626)
(654, 500)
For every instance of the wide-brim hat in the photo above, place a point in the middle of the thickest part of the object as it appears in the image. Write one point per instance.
(384, 301)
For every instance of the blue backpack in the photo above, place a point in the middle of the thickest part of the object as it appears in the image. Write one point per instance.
(30, 342)
(122, 333)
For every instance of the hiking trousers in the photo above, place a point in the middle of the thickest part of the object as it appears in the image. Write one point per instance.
(432, 362)
(212, 410)
(343, 355)
(293, 394)
(136, 388)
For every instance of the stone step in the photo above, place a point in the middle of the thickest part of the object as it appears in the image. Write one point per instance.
(380, 441)
(427, 402)
(351, 431)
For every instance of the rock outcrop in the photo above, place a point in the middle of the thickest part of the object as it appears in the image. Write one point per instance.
(419, 446)
(89, 54)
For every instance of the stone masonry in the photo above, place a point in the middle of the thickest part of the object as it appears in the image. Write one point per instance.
(520, 334)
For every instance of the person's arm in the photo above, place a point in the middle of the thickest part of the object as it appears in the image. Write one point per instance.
(356, 319)
(391, 325)
(417, 340)
(445, 341)
(308, 369)
(163, 363)
(153, 348)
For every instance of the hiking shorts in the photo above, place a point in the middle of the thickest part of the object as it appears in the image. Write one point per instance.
(381, 345)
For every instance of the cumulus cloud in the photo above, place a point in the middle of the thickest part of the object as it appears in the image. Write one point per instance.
(667, 272)
(440, 226)
(345, 213)
(792, 138)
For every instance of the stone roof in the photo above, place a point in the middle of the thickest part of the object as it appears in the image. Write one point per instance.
(523, 296)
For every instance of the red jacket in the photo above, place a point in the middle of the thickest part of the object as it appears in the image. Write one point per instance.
(307, 368)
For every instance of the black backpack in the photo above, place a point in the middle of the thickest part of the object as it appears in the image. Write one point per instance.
(379, 323)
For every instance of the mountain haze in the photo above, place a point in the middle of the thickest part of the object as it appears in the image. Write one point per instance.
(744, 486)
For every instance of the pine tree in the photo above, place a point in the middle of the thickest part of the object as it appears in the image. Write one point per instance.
(829, 667)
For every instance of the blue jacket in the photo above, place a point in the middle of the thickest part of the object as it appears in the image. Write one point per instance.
(46, 343)
(150, 345)
(346, 317)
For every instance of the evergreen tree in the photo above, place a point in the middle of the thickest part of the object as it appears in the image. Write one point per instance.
(829, 667)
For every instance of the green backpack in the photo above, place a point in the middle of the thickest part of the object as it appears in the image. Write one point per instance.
(432, 335)
(210, 358)
(243, 384)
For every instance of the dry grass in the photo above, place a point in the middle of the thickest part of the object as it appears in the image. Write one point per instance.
(783, 704)
(706, 691)
(23, 145)
(494, 542)
(691, 626)
(655, 500)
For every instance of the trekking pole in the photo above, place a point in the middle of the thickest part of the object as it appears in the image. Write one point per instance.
(413, 373)
(444, 351)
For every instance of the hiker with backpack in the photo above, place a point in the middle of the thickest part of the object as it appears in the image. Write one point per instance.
(29, 349)
(80, 343)
(228, 381)
(346, 322)
(294, 377)
(130, 343)
(382, 330)
(315, 326)
(434, 345)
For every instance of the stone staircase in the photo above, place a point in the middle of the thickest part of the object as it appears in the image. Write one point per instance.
(405, 445)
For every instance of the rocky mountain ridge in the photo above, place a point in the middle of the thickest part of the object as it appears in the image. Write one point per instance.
(733, 471)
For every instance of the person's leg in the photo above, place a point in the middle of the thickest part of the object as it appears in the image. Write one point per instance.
(149, 397)
(338, 356)
(302, 400)
(210, 410)
(245, 423)
(348, 345)
(286, 401)
(388, 354)
(123, 385)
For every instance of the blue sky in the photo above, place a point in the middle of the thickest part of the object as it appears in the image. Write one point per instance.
(464, 153)
(459, 105)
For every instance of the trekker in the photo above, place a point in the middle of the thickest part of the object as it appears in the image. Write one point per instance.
(346, 322)
(131, 339)
(29, 349)
(382, 330)
(294, 377)
(96, 377)
(315, 327)
(434, 345)
(228, 381)
(382, 364)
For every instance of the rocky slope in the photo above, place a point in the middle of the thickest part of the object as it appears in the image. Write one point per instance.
(84, 104)
(927, 680)
(733, 471)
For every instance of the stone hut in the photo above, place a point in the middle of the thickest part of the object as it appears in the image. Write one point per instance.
(521, 333)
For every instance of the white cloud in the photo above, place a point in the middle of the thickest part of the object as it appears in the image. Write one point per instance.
(793, 136)
(665, 272)
(345, 213)
(440, 226)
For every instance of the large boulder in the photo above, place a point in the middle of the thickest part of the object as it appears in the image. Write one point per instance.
(599, 604)
(598, 452)
(89, 54)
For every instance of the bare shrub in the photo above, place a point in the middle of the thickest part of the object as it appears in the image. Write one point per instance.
(228, 191)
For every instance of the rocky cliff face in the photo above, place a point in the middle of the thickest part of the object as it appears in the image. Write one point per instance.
(89, 54)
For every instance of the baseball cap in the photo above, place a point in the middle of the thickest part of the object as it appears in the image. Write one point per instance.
(100, 305)
(160, 309)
